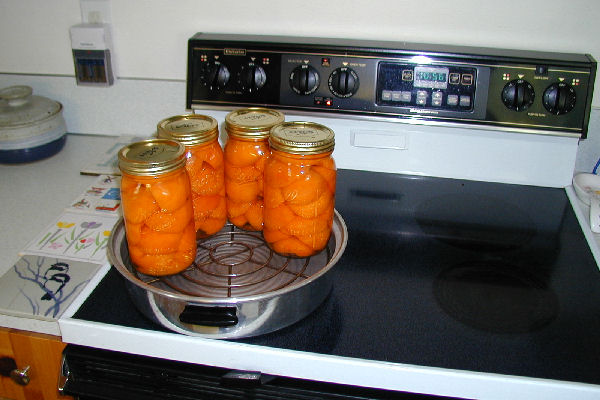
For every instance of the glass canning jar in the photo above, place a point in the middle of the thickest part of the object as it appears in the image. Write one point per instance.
(205, 166)
(299, 189)
(246, 151)
(157, 206)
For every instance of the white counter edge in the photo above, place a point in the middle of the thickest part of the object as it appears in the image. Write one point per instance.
(327, 368)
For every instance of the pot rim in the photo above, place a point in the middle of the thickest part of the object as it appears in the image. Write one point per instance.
(340, 231)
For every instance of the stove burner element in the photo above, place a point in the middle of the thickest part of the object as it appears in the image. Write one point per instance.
(495, 297)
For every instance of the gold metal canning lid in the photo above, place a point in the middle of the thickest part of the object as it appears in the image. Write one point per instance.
(300, 137)
(151, 157)
(189, 129)
(252, 122)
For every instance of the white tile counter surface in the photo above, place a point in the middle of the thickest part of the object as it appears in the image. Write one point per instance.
(34, 194)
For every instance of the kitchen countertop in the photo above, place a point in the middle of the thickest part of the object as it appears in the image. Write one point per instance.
(34, 194)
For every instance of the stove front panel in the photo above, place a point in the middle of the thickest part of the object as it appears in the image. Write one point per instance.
(493, 88)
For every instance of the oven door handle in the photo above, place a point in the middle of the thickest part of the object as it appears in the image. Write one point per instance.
(209, 315)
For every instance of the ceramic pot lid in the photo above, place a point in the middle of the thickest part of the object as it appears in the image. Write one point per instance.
(18, 107)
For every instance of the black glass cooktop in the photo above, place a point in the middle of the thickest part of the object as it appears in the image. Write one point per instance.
(447, 273)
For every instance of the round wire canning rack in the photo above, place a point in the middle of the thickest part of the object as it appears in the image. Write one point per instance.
(233, 264)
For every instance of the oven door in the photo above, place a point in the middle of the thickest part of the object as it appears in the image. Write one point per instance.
(93, 374)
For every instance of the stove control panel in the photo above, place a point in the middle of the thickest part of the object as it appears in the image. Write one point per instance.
(501, 89)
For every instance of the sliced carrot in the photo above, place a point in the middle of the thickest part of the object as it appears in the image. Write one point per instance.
(243, 192)
(158, 264)
(204, 205)
(242, 153)
(273, 197)
(209, 226)
(274, 235)
(129, 184)
(210, 153)
(135, 254)
(254, 215)
(316, 241)
(314, 209)
(209, 214)
(235, 209)
(305, 190)
(153, 242)
(278, 217)
(292, 247)
(138, 204)
(328, 174)
(206, 180)
(279, 174)
(242, 174)
(133, 232)
(220, 211)
(171, 222)
(307, 226)
(170, 194)
(187, 241)
(239, 221)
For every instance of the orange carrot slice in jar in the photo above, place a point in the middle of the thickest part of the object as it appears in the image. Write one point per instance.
(316, 208)
(155, 236)
(246, 150)
(205, 165)
(237, 208)
(299, 200)
(306, 189)
(292, 247)
(137, 201)
(171, 222)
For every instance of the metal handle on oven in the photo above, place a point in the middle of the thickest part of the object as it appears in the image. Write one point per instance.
(63, 377)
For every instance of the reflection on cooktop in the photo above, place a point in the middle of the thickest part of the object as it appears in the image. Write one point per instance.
(475, 222)
(496, 297)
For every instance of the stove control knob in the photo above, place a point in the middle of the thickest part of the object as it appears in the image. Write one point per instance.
(518, 95)
(252, 77)
(215, 75)
(304, 79)
(559, 98)
(343, 82)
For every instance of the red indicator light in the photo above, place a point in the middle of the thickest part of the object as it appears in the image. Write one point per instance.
(328, 102)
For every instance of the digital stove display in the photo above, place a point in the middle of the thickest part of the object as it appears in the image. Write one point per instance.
(437, 88)
(431, 77)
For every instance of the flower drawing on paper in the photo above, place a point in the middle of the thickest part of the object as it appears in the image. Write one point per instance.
(74, 239)
(54, 283)
(83, 243)
(100, 241)
(50, 238)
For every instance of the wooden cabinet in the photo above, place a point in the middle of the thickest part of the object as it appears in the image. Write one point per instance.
(42, 353)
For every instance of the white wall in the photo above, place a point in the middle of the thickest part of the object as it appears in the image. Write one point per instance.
(151, 41)
(150, 36)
